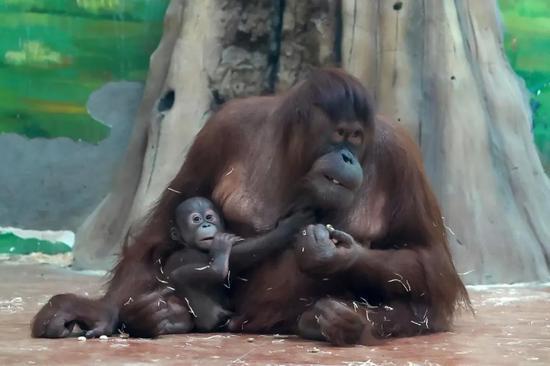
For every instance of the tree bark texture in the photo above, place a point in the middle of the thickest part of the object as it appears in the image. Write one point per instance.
(437, 67)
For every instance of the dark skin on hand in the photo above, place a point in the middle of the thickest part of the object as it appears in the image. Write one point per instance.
(385, 272)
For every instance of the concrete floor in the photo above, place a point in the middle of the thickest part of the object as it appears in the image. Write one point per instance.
(512, 327)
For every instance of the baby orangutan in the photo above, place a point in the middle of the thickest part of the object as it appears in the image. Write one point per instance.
(198, 271)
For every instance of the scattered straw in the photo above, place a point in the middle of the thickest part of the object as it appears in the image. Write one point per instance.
(190, 308)
(161, 281)
(406, 286)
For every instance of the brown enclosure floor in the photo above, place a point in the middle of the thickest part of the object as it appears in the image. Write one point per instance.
(512, 327)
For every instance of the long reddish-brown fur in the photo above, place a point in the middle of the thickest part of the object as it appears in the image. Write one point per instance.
(249, 158)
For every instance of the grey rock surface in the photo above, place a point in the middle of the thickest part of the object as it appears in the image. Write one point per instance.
(55, 183)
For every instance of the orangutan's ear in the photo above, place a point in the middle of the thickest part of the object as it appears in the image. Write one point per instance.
(175, 234)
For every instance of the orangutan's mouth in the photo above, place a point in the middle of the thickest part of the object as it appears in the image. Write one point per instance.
(333, 180)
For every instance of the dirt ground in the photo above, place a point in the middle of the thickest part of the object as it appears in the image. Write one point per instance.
(511, 327)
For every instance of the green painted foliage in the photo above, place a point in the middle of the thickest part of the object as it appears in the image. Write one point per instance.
(527, 43)
(12, 244)
(54, 53)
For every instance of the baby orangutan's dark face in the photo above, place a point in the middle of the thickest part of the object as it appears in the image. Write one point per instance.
(197, 221)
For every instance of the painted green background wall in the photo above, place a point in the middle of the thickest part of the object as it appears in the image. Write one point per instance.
(527, 43)
(54, 53)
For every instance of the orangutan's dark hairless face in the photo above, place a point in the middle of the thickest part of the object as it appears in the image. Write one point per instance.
(197, 221)
(336, 175)
(339, 140)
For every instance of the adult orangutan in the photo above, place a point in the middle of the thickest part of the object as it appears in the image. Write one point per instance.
(386, 271)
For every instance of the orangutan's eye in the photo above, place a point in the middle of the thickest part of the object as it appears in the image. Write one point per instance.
(196, 218)
(356, 138)
(338, 135)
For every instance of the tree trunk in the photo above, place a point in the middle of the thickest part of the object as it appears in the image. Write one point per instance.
(439, 68)
(210, 51)
(175, 102)
(436, 66)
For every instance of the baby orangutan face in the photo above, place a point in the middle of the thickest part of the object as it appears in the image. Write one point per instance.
(197, 221)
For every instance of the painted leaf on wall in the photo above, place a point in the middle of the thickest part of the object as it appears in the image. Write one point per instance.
(54, 53)
(527, 43)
